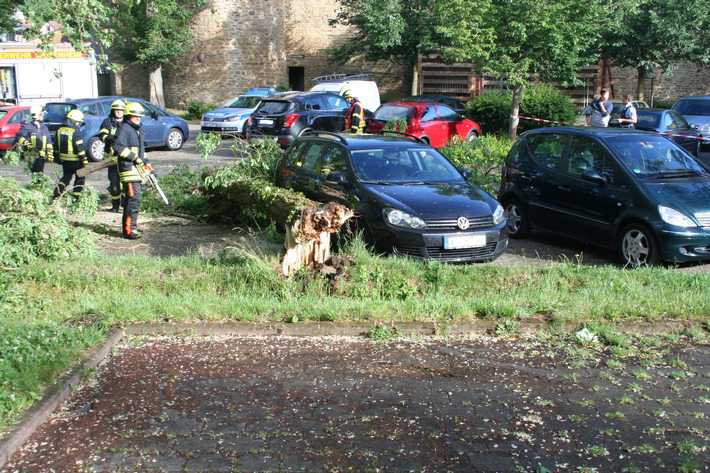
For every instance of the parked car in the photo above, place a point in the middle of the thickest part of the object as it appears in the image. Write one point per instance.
(11, 120)
(232, 117)
(434, 123)
(633, 191)
(162, 129)
(696, 111)
(672, 124)
(286, 116)
(407, 197)
(361, 85)
(619, 107)
(458, 105)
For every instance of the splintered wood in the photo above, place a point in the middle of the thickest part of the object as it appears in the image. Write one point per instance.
(308, 239)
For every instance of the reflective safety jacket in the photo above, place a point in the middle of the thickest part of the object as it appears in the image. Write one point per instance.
(34, 139)
(108, 132)
(69, 145)
(355, 118)
(130, 148)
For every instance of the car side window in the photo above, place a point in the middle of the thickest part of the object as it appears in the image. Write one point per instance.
(18, 117)
(446, 114)
(314, 103)
(679, 122)
(514, 155)
(334, 102)
(613, 173)
(667, 122)
(429, 115)
(333, 160)
(547, 149)
(295, 154)
(311, 156)
(585, 155)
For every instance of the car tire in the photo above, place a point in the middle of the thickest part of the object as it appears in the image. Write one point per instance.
(95, 149)
(175, 139)
(518, 220)
(304, 131)
(472, 136)
(638, 247)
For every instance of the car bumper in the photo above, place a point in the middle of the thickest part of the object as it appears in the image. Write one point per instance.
(222, 127)
(430, 245)
(685, 246)
(6, 142)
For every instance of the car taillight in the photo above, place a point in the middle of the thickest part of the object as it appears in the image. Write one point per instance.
(291, 119)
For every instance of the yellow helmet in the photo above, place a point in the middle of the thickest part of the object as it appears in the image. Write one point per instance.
(76, 116)
(347, 93)
(37, 112)
(134, 109)
(118, 104)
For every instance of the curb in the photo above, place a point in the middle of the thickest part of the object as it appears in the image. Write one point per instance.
(55, 395)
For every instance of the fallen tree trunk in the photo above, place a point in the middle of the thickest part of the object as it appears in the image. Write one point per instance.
(308, 224)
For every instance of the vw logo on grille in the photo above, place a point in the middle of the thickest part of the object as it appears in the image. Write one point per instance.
(463, 223)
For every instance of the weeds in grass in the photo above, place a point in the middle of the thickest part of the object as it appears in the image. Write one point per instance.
(381, 333)
(507, 327)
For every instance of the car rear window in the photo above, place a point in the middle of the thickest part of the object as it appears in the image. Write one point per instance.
(56, 112)
(273, 107)
(388, 113)
(647, 120)
(693, 107)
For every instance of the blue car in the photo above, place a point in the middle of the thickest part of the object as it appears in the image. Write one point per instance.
(162, 129)
(696, 111)
(232, 116)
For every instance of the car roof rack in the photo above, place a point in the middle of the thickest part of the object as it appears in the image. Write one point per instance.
(325, 134)
(407, 135)
(341, 77)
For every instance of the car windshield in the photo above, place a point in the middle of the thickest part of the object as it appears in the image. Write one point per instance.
(388, 113)
(403, 165)
(654, 156)
(648, 120)
(273, 107)
(57, 112)
(245, 102)
(693, 107)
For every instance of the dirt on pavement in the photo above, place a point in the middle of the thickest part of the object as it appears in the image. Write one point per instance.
(342, 404)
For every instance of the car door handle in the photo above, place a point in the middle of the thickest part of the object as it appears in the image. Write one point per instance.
(564, 188)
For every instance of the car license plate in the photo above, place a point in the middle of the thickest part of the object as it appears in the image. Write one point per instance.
(455, 242)
(266, 122)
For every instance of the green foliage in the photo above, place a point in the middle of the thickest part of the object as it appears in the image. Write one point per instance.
(382, 333)
(11, 157)
(84, 207)
(484, 157)
(492, 109)
(182, 187)
(663, 104)
(399, 125)
(31, 229)
(208, 143)
(197, 108)
(507, 327)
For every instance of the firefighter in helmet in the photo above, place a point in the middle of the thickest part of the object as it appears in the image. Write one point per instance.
(70, 149)
(129, 148)
(355, 115)
(107, 134)
(35, 141)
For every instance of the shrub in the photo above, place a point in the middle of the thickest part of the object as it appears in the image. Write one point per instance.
(182, 188)
(492, 109)
(197, 108)
(483, 157)
(399, 125)
(663, 104)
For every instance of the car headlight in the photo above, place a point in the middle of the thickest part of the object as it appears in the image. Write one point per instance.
(403, 219)
(673, 217)
(235, 118)
(498, 215)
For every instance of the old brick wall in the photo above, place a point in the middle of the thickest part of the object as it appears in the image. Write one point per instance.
(131, 80)
(684, 79)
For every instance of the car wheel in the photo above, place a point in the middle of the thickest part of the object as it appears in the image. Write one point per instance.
(518, 222)
(95, 149)
(472, 136)
(637, 246)
(175, 139)
(304, 131)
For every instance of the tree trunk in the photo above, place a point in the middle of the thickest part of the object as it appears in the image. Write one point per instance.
(514, 112)
(641, 84)
(415, 78)
(156, 87)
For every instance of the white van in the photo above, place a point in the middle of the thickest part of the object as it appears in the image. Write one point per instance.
(361, 85)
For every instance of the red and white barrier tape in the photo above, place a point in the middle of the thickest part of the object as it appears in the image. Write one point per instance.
(540, 120)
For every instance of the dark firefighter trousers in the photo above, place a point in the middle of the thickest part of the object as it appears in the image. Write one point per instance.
(131, 206)
(69, 170)
(114, 187)
(38, 164)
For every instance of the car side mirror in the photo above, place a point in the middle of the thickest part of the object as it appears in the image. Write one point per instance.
(337, 178)
(693, 126)
(593, 176)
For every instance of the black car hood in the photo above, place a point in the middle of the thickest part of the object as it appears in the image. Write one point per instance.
(688, 195)
(434, 201)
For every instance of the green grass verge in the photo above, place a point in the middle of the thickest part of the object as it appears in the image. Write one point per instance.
(50, 311)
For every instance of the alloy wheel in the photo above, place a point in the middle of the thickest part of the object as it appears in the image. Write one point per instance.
(97, 150)
(515, 218)
(175, 139)
(636, 248)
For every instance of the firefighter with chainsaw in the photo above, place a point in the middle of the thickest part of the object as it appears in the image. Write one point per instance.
(70, 149)
(35, 142)
(107, 134)
(355, 115)
(129, 148)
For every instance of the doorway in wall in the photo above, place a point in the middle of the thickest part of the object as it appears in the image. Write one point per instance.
(297, 77)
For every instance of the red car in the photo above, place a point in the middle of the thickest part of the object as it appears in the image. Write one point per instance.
(433, 122)
(11, 119)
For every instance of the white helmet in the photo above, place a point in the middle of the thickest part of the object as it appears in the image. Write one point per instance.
(36, 112)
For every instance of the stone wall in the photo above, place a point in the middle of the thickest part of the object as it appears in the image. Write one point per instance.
(683, 79)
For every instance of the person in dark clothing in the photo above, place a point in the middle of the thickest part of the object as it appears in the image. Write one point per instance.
(35, 141)
(107, 134)
(629, 116)
(355, 115)
(601, 109)
(130, 149)
(70, 149)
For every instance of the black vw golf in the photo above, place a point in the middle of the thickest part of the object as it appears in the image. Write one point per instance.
(408, 198)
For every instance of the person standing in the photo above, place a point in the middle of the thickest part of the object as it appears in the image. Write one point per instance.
(601, 109)
(71, 154)
(129, 148)
(107, 134)
(629, 116)
(35, 141)
(355, 115)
